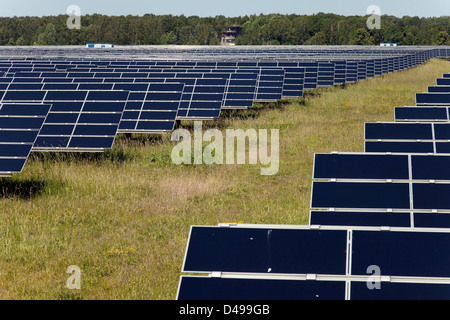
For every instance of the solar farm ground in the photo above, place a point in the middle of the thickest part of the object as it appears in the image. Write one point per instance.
(124, 216)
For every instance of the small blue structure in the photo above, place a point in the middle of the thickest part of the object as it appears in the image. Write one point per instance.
(99, 45)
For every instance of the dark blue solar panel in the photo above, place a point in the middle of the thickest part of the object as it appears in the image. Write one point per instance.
(202, 288)
(60, 86)
(157, 113)
(441, 131)
(417, 113)
(401, 291)
(439, 89)
(443, 147)
(62, 95)
(100, 118)
(201, 104)
(443, 82)
(360, 195)
(360, 166)
(399, 147)
(154, 126)
(64, 117)
(14, 150)
(265, 251)
(430, 167)
(24, 86)
(95, 130)
(413, 254)
(97, 86)
(20, 125)
(103, 106)
(433, 99)
(431, 220)
(367, 219)
(18, 96)
(108, 95)
(24, 110)
(15, 136)
(160, 105)
(431, 196)
(56, 130)
(398, 131)
(91, 143)
(71, 109)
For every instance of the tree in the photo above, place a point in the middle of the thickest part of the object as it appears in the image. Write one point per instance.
(48, 36)
(169, 38)
(443, 39)
(318, 29)
(362, 37)
(21, 41)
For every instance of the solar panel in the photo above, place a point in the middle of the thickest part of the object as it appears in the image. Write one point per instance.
(154, 109)
(158, 116)
(325, 74)
(416, 254)
(398, 131)
(443, 82)
(403, 257)
(293, 85)
(435, 98)
(401, 291)
(399, 147)
(311, 70)
(360, 166)
(365, 166)
(78, 120)
(364, 218)
(439, 89)
(360, 195)
(425, 114)
(201, 99)
(240, 93)
(234, 100)
(364, 189)
(405, 137)
(207, 288)
(270, 85)
(20, 125)
(264, 251)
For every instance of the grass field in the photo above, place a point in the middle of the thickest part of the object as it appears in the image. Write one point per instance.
(124, 216)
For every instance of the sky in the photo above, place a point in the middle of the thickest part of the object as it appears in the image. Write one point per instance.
(228, 8)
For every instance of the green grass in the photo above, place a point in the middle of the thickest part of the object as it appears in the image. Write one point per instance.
(124, 216)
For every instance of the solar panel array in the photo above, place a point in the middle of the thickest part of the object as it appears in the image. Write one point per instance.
(382, 210)
(95, 94)
(379, 222)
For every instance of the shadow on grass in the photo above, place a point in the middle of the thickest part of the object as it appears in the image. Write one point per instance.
(24, 190)
(118, 154)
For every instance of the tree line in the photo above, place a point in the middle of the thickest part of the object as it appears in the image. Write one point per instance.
(264, 29)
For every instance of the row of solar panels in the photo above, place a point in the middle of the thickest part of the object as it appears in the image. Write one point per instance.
(379, 225)
(90, 104)
(48, 65)
(213, 53)
(318, 73)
